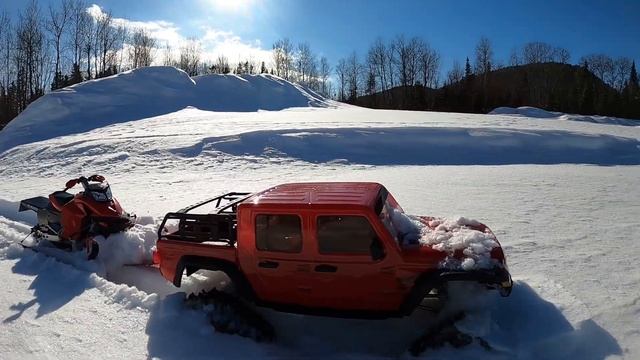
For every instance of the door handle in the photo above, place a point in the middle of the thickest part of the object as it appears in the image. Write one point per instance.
(326, 268)
(268, 264)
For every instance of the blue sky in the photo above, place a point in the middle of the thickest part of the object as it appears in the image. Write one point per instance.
(336, 28)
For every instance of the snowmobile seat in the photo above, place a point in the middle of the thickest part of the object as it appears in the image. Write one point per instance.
(62, 197)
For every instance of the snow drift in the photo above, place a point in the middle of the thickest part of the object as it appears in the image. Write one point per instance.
(533, 112)
(148, 92)
(425, 146)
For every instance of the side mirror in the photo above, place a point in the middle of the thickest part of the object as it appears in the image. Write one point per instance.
(71, 183)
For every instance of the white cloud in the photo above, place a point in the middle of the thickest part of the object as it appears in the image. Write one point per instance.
(213, 42)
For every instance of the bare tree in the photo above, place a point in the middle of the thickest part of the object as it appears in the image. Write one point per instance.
(621, 73)
(6, 46)
(107, 41)
(484, 56)
(55, 25)
(401, 59)
(341, 73)
(167, 55)
(222, 65)
(537, 52)
(141, 48)
(429, 60)
(283, 58)
(456, 74)
(88, 40)
(561, 55)
(190, 56)
(377, 58)
(599, 64)
(354, 73)
(30, 56)
(324, 73)
(78, 21)
(304, 61)
(514, 58)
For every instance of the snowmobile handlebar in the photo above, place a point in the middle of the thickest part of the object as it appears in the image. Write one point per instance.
(84, 181)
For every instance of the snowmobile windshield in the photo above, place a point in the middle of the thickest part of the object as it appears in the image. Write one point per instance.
(100, 192)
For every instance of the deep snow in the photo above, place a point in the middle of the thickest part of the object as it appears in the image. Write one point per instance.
(569, 230)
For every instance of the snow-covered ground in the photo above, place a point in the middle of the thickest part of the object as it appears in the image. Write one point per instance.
(562, 197)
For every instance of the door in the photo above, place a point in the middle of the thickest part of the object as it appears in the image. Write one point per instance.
(283, 258)
(352, 268)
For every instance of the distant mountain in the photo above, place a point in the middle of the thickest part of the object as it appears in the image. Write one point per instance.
(551, 86)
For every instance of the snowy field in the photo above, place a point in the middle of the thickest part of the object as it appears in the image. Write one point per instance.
(561, 193)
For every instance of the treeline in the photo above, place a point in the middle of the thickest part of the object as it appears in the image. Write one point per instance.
(47, 49)
(403, 74)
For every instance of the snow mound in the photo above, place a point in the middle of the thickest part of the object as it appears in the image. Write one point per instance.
(131, 247)
(466, 247)
(533, 112)
(148, 92)
(425, 146)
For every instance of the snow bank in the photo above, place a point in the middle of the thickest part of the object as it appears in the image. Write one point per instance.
(532, 112)
(148, 92)
(426, 146)
(466, 247)
(130, 247)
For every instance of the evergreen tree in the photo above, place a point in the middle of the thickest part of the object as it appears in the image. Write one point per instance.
(467, 69)
(76, 75)
(58, 81)
(633, 85)
(263, 68)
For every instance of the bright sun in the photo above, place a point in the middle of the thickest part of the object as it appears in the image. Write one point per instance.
(231, 5)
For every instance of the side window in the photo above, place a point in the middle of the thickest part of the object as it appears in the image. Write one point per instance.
(281, 233)
(346, 234)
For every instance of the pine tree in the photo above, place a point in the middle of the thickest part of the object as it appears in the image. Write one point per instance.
(467, 69)
(263, 68)
(633, 84)
(76, 75)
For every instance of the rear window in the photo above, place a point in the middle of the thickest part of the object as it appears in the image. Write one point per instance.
(281, 233)
(345, 234)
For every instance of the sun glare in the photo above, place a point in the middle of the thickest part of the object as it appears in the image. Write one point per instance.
(231, 6)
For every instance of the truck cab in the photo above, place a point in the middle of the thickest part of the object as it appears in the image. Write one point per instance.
(322, 248)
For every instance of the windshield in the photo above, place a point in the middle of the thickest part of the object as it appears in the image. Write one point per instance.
(100, 192)
(387, 214)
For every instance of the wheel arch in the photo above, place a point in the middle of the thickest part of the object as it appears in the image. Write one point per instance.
(425, 282)
(193, 263)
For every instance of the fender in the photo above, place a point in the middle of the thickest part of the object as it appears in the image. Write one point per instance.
(192, 263)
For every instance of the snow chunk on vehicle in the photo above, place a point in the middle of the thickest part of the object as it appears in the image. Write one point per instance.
(467, 243)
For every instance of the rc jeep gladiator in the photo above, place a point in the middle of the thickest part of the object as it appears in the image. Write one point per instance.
(316, 248)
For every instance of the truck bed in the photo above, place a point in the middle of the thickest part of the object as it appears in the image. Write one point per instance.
(217, 227)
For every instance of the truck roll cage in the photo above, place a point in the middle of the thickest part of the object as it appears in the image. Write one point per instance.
(217, 226)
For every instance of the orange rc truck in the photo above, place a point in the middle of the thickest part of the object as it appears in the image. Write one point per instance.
(332, 249)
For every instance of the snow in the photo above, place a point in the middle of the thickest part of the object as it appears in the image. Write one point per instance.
(148, 92)
(466, 248)
(533, 112)
(452, 235)
(568, 225)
